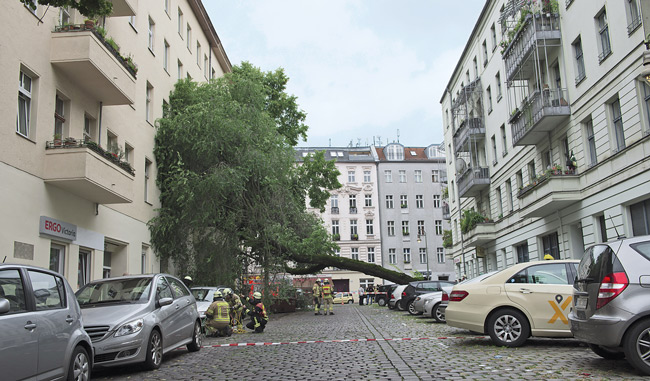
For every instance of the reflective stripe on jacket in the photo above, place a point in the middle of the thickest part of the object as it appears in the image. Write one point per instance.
(220, 311)
(327, 290)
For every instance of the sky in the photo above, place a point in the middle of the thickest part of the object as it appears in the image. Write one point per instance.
(362, 70)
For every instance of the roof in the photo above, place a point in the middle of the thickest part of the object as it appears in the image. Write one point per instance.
(211, 34)
(340, 154)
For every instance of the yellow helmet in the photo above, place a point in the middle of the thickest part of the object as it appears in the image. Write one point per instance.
(217, 294)
(318, 280)
(548, 257)
(327, 281)
(226, 291)
(257, 295)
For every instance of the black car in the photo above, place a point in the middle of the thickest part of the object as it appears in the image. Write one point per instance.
(418, 288)
(383, 293)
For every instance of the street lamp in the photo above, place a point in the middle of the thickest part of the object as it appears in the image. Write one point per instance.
(426, 250)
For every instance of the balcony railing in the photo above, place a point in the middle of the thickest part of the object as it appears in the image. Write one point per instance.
(335, 210)
(470, 129)
(445, 212)
(537, 32)
(473, 181)
(353, 210)
(540, 113)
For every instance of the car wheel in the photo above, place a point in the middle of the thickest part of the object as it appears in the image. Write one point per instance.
(410, 307)
(438, 315)
(197, 339)
(606, 353)
(399, 305)
(154, 351)
(637, 346)
(350, 301)
(391, 307)
(79, 369)
(381, 302)
(508, 328)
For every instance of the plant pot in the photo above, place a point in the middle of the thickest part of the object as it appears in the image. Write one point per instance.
(90, 24)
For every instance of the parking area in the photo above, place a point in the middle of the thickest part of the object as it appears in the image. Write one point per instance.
(370, 343)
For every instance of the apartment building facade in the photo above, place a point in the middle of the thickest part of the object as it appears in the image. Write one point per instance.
(80, 103)
(411, 183)
(546, 125)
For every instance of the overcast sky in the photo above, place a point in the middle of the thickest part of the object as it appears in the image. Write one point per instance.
(360, 69)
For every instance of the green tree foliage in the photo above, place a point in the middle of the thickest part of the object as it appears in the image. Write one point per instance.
(89, 8)
(231, 191)
(447, 239)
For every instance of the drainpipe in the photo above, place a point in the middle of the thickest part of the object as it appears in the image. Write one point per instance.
(99, 133)
(561, 234)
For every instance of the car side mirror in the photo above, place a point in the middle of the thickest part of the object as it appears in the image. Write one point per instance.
(4, 306)
(165, 302)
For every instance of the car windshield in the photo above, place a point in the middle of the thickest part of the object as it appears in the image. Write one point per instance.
(134, 290)
(202, 294)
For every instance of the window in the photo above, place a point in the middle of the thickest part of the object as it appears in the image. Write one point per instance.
(33, 7)
(151, 34)
(488, 93)
(420, 227)
(198, 54)
(106, 265)
(633, 15)
(132, 22)
(419, 201)
(57, 258)
(546, 159)
(504, 141)
(24, 104)
(180, 23)
(335, 228)
(162, 289)
(388, 176)
(180, 70)
(485, 53)
(499, 201)
(435, 176)
(418, 175)
(334, 202)
(407, 255)
(603, 31)
(354, 253)
(493, 33)
(438, 224)
(497, 80)
(371, 254)
(49, 290)
(178, 288)
(405, 228)
(531, 171)
(550, 245)
(423, 255)
(366, 176)
(149, 103)
(389, 201)
(475, 68)
(143, 260)
(547, 273)
(467, 78)
(166, 56)
(580, 61)
(603, 228)
(646, 105)
(11, 286)
(188, 35)
(436, 201)
(509, 197)
(391, 256)
(493, 140)
(147, 175)
(617, 120)
(64, 15)
(351, 176)
(402, 176)
(520, 179)
(403, 201)
(591, 142)
(128, 153)
(368, 200)
(59, 116)
(370, 230)
(640, 213)
(89, 128)
(391, 228)
(440, 254)
(522, 253)
(395, 152)
(353, 229)
(353, 203)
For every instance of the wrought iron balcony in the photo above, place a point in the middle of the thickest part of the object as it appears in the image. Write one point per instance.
(542, 112)
(473, 181)
(470, 130)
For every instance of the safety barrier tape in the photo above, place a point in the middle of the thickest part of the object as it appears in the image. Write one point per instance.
(344, 341)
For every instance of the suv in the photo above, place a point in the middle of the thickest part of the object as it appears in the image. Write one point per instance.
(611, 303)
(41, 325)
(383, 293)
(418, 288)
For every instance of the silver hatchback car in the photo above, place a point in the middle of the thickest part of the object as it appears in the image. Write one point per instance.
(611, 302)
(136, 319)
(41, 331)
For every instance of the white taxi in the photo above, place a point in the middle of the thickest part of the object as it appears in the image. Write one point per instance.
(527, 299)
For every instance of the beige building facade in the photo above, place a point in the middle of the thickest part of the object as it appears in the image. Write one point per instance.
(546, 124)
(79, 104)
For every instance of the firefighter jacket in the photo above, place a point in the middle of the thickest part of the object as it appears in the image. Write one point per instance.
(219, 311)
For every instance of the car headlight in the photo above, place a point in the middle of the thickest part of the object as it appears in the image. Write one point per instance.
(130, 328)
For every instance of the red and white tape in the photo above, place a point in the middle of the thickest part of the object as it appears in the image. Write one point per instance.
(343, 341)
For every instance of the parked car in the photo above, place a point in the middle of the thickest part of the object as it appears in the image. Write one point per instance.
(204, 297)
(383, 294)
(42, 332)
(395, 296)
(611, 303)
(343, 297)
(445, 300)
(137, 319)
(531, 298)
(416, 288)
(429, 303)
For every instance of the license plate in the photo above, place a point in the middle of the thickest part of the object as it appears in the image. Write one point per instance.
(581, 303)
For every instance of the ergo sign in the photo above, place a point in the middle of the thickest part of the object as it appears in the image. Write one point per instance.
(57, 228)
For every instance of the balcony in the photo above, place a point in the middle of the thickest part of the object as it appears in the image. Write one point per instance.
(335, 210)
(124, 7)
(548, 194)
(473, 181)
(446, 215)
(541, 113)
(83, 55)
(353, 210)
(481, 235)
(540, 33)
(471, 130)
(82, 170)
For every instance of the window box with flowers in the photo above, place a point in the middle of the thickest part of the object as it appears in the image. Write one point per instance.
(354, 237)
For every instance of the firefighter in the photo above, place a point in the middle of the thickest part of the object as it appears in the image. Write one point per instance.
(258, 315)
(327, 297)
(317, 289)
(187, 280)
(236, 308)
(218, 317)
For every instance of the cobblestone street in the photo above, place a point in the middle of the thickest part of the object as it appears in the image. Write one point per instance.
(434, 351)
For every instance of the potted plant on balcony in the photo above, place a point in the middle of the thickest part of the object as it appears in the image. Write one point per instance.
(404, 206)
(89, 23)
(57, 140)
(354, 237)
(70, 141)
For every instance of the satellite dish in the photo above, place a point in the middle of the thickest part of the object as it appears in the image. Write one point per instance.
(461, 166)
